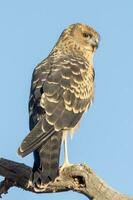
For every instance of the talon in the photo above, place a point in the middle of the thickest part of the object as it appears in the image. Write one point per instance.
(65, 165)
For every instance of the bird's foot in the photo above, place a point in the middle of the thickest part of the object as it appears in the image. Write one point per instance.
(65, 165)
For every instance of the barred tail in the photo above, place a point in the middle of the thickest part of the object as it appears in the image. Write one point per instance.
(46, 160)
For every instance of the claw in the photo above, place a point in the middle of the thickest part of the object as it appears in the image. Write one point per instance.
(65, 165)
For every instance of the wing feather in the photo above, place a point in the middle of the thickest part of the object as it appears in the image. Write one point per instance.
(59, 97)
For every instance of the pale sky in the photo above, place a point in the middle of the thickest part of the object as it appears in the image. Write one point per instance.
(28, 31)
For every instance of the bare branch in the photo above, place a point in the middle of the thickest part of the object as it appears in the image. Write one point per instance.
(79, 178)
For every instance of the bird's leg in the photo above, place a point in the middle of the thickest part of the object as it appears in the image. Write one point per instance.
(66, 161)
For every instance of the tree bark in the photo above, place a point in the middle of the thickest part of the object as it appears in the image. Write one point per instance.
(79, 178)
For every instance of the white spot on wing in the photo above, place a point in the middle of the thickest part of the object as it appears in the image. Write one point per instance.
(42, 128)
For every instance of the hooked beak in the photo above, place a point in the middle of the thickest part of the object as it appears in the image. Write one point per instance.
(94, 42)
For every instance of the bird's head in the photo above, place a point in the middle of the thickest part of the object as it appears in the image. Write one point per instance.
(79, 37)
(84, 35)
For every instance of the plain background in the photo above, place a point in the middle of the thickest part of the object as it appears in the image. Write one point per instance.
(28, 31)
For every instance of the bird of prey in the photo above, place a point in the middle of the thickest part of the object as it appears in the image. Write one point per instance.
(62, 89)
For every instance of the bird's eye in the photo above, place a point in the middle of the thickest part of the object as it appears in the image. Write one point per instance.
(86, 35)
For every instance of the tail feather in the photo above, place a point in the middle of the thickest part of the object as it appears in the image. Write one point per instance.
(39, 134)
(45, 142)
(46, 160)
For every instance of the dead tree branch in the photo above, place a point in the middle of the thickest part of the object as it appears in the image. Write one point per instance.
(79, 178)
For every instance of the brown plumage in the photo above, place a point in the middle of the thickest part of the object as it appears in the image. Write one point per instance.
(62, 90)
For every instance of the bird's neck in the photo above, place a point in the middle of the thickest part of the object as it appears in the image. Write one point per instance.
(69, 47)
